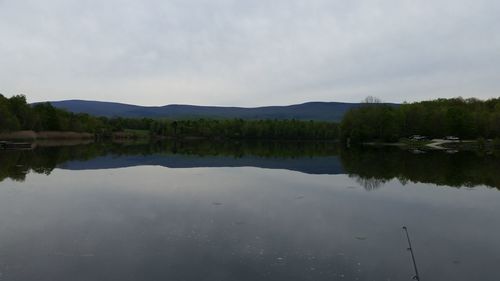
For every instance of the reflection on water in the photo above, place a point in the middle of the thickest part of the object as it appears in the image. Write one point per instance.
(306, 157)
(369, 183)
(242, 211)
(371, 167)
(374, 166)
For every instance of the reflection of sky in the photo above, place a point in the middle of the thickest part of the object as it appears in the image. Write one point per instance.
(309, 165)
(152, 223)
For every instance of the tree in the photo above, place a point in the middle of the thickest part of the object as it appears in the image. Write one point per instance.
(372, 99)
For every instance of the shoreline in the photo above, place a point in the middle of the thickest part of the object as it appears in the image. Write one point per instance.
(44, 135)
(440, 144)
(28, 135)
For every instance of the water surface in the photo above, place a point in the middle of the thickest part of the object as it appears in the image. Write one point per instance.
(246, 212)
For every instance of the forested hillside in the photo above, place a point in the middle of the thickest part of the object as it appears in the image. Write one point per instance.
(16, 114)
(317, 111)
(464, 118)
(247, 129)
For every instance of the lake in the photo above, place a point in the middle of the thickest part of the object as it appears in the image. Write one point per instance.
(247, 211)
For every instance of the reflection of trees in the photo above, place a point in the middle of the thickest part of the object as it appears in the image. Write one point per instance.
(370, 183)
(42, 160)
(15, 164)
(268, 149)
(403, 181)
(372, 167)
(459, 169)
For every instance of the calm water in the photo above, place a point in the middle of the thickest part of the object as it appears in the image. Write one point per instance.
(246, 212)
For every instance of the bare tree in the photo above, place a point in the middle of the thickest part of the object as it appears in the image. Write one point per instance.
(372, 99)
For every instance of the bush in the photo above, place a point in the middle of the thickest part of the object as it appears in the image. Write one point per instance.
(496, 142)
(481, 143)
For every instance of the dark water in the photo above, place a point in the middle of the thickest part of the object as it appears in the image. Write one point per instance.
(260, 211)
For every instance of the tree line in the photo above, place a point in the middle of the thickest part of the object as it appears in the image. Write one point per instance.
(246, 129)
(16, 114)
(374, 121)
(464, 118)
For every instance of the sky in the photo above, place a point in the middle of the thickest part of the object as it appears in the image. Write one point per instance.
(249, 53)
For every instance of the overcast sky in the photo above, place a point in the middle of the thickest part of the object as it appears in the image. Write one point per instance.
(249, 52)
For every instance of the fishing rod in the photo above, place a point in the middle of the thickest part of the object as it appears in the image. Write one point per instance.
(416, 277)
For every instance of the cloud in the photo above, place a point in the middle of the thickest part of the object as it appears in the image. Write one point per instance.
(230, 52)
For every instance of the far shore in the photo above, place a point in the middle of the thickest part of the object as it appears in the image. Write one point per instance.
(58, 135)
(127, 135)
(32, 135)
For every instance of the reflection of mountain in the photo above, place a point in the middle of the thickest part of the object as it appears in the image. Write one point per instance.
(306, 157)
(369, 166)
(317, 165)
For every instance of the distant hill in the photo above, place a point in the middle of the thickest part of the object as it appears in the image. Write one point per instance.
(324, 111)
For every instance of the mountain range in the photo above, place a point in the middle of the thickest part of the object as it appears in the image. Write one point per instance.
(321, 111)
